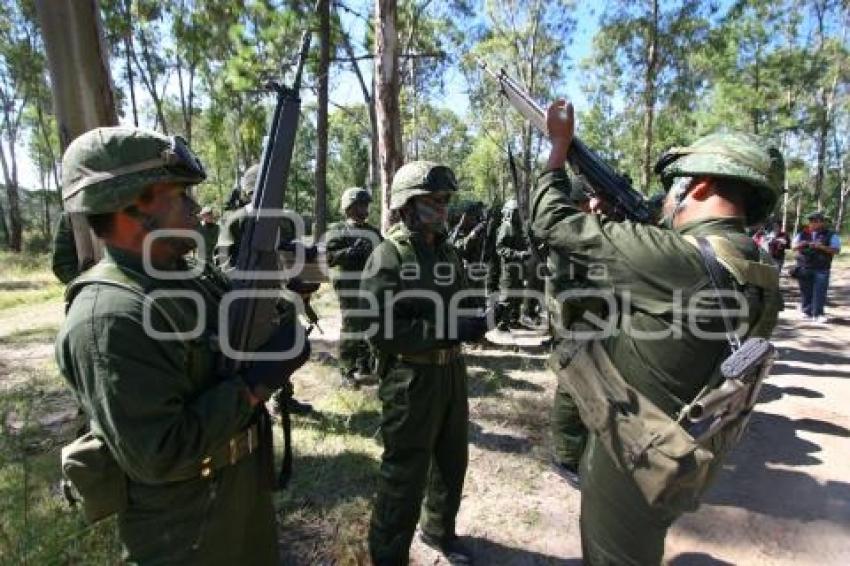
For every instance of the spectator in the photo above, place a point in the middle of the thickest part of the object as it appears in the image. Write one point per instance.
(815, 245)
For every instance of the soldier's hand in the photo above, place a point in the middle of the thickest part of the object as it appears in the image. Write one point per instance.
(267, 376)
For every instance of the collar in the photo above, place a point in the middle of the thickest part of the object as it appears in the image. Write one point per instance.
(712, 225)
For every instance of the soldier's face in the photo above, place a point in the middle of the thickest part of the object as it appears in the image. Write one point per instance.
(170, 206)
(359, 211)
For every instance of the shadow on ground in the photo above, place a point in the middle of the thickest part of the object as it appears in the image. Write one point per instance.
(772, 440)
(490, 552)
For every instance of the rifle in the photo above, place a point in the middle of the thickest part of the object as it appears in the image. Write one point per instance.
(253, 318)
(743, 373)
(456, 230)
(607, 184)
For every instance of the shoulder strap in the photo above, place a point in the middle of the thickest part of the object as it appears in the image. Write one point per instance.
(110, 274)
(715, 273)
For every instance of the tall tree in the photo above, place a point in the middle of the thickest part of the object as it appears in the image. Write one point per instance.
(647, 48)
(320, 206)
(387, 99)
(528, 40)
(20, 65)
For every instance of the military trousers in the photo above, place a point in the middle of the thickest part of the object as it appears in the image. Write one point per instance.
(569, 435)
(424, 426)
(618, 527)
(225, 518)
(510, 287)
(354, 353)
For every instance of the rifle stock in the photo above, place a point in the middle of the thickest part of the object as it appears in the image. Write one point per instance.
(609, 185)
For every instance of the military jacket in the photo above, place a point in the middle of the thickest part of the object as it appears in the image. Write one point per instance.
(209, 232)
(652, 274)
(429, 278)
(511, 242)
(159, 404)
(341, 237)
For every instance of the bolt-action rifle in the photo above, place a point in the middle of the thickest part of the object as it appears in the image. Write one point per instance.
(606, 183)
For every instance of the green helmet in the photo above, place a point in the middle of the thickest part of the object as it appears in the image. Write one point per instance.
(420, 178)
(509, 206)
(353, 195)
(731, 155)
(105, 169)
(249, 181)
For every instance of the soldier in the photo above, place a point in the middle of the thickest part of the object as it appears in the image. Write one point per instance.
(423, 389)
(468, 239)
(184, 449)
(512, 246)
(209, 230)
(64, 259)
(348, 246)
(716, 187)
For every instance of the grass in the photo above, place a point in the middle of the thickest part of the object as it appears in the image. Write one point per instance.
(36, 525)
(26, 279)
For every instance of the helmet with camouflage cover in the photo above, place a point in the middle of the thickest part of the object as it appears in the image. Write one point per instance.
(353, 195)
(737, 156)
(249, 181)
(106, 169)
(420, 178)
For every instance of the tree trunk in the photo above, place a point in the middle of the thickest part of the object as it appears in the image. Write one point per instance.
(649, 96)
(320, 211)
(82, 88)
(386, 96)
(79, 70)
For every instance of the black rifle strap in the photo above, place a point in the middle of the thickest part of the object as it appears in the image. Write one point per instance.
(281, 405)
(716, 273)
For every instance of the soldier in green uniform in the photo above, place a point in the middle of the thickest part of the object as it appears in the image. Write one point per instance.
(190, 445)
(209, 230)
(423, 389)
(64, 259)
(468, 239)
(716, 187)
(348, 246)
(512, 246)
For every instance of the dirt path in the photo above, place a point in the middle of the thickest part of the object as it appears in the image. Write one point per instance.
(784, 497)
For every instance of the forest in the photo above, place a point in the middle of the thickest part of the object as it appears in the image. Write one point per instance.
(395, 80)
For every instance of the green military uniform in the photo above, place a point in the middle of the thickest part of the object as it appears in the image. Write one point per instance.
(469, 243)
(209, 231)
(185, 437)
(423, 388)
(651, 265)
(512, 247)
(64, 259)
(348, 246)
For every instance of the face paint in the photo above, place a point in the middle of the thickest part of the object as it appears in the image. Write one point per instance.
(430, 217)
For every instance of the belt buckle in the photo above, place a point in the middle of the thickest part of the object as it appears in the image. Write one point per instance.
(233, 450)
(206, 467)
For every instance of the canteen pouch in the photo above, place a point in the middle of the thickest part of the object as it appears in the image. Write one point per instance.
(666, 463)
(89, 466)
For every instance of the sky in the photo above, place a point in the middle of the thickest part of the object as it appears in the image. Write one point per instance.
(345, 89)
